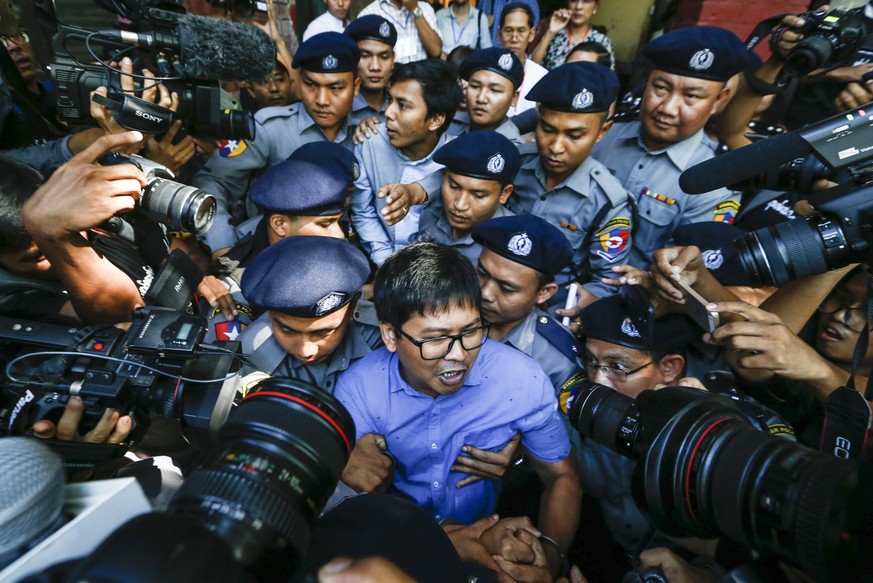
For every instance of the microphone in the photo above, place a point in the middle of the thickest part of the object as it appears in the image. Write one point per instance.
(210, 48)
(31, 495)
(743, 163)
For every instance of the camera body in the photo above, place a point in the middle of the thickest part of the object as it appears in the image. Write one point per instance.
(179, 206)
(108, 367)
(828, 38)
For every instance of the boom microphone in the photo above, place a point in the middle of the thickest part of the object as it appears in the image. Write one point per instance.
(210, 48)
(743, 163)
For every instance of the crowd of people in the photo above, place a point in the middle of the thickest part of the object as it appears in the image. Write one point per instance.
(448, 218)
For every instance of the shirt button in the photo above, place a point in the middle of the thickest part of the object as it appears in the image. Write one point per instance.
(543, 197)
(436, 484)
(433, 446)
(640, 166)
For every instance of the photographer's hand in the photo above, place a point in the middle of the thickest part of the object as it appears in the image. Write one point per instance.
(81, 195)
(760, 346)
(171, 155)
(112, 427)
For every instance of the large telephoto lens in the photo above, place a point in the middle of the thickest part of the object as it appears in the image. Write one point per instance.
(794, 249)
(710, 473)
(180, 207)
(278, 459)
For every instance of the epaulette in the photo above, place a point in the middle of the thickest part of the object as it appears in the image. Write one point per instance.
(558, 336)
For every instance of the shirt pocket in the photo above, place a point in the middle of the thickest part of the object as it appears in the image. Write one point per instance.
(654, 218)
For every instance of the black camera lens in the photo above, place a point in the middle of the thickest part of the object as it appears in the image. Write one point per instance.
(809, 54)
(278, 458)
(793, 249)
(178, 206)
(605, 415)
(710, 472)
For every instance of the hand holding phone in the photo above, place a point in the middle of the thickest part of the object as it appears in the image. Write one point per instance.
(695, 307)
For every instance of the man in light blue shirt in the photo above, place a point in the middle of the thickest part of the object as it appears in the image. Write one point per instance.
(439, 386)
(462, 25)
(423, 96)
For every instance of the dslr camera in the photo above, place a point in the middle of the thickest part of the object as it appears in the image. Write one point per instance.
(176, 205)
(829, 38)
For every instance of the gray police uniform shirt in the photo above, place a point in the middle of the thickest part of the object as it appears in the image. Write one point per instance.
(381, 163)
(589, 193)
(362, 110)
(606, 476)
(461, 125)
(434, 226)
(268, 356)
(652, 178)
(229, 171)
(553, 347)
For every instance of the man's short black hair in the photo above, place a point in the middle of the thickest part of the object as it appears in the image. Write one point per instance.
(439, 85)
(517, 6)
(18, 182)
(591, 46)
(424, 278)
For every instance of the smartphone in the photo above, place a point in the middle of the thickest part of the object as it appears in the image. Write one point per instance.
(261, 6)
(695, 307)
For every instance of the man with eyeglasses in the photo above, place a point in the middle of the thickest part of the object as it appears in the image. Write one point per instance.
(630, 360)
(439, 385)
(516, 31)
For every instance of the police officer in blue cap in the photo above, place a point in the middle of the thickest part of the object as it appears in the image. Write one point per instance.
(686, 86)
(562, 183)
(308, 287)
(522, 255)
(476, 182)
(376, 38)
(295, 197)
(328, 64)
(493, 78)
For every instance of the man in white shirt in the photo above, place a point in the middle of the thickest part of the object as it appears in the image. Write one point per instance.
(461, 25)
(417, 32)
(336, 19)
(516, 31)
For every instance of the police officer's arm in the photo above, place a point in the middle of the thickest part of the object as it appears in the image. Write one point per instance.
(402, 196)
(226, 175)
(609, 245)
(370, 468)
(481, 464)
(560, 505)
(81, 195)
(365, 217)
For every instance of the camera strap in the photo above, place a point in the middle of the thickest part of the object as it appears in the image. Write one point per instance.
(847, 413)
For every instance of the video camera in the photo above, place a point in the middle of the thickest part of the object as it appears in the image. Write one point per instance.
(159, 366)
(705, 469)
(842, 231)
(189, 53)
